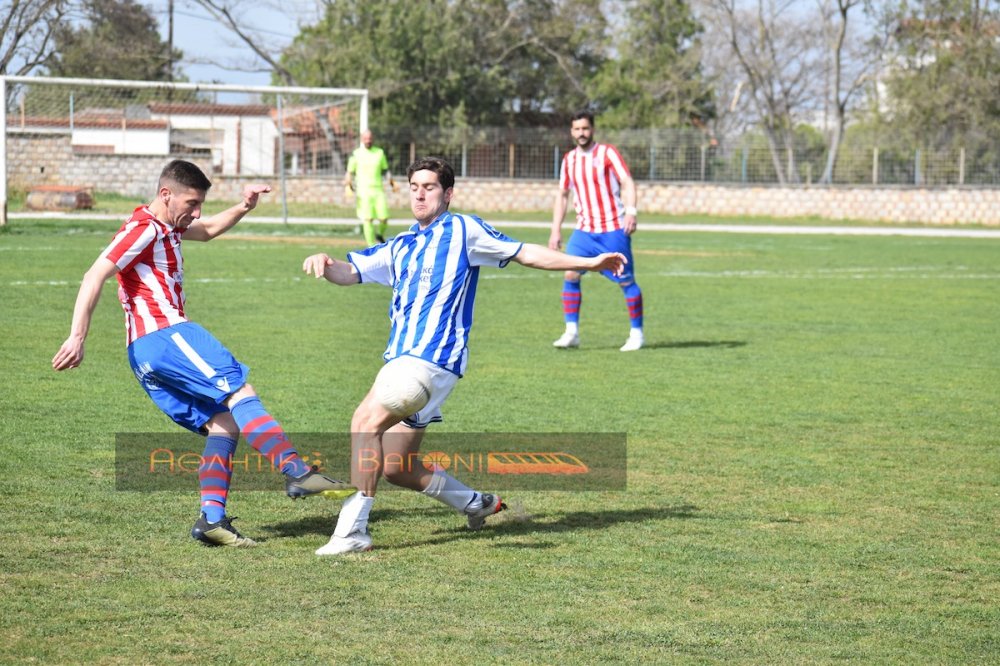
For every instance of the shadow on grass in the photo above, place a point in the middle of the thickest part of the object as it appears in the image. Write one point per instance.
(683, 344)
(696, 344)
(325, 524)
(514, 522)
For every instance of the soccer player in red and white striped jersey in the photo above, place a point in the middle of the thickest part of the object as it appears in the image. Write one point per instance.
(604, 196)
(147, 253)
(188, 374)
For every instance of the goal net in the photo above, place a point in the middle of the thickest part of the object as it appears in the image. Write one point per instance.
(112, 138)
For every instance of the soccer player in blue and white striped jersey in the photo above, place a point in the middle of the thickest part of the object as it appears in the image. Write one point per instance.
(432, 269)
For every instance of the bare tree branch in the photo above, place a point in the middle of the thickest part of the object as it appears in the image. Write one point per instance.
(223, 12)
(26, 30)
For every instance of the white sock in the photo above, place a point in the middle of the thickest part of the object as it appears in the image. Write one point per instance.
(449, 490)
(635, 333)
(354, 515)
(572, 328)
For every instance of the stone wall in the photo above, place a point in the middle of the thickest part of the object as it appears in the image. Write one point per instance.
(50, 160)
(945, 206)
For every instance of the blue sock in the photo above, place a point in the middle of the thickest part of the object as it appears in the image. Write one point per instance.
(571, 299)
(633, 299)
(215, 474)
(265, 435)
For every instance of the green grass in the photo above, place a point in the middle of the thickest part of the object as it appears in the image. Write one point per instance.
(270, 206)
(814, 471)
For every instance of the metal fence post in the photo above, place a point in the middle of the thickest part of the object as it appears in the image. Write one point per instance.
(704, 150)
(917, 179)
(961, 165)
(281, 160)
(555, 162)
(875, 165)
(3, 151)
(743, 166)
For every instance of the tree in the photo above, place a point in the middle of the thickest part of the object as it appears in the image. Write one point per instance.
(551, 51)
(776, 53)
(120, 40)
(655, 80)
(485, 62)
(231, 14)
(408, 54)
(943, 79)
(850, 63)
(26, 28)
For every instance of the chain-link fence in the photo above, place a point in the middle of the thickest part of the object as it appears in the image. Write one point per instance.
(112, 137)
(693, 156)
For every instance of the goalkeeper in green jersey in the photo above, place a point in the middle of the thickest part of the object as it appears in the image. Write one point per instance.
(365, 170)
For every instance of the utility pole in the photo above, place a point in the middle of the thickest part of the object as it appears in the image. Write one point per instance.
(170, 40)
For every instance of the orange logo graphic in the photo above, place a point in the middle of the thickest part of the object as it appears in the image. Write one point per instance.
(436, 460)
(534, 463)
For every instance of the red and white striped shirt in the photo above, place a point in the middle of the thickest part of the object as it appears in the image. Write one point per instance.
(595, 176)
(151, 273)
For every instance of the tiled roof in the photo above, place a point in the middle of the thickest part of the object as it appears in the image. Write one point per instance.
(196, 109)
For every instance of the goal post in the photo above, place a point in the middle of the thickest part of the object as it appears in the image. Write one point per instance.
(113, 136)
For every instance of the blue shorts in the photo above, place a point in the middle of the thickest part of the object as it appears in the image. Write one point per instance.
(186, 372)
(586, 244)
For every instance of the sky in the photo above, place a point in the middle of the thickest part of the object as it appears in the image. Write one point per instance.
(205, 43)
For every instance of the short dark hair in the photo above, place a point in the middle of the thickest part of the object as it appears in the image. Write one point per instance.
(439, 165)
(584, 113)
(186, 174)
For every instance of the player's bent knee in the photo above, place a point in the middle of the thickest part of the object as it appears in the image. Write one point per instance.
(371, 417)
(398, 474)
(243, 392)
(222, 424)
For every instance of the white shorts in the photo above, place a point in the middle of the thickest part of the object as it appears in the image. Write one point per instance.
(442, 382)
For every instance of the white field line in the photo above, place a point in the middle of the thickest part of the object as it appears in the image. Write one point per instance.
(829, 230)
(859, 273)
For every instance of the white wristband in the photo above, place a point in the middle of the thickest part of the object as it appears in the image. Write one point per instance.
(631, 210)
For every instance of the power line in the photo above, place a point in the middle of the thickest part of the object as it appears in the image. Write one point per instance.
(209, 19)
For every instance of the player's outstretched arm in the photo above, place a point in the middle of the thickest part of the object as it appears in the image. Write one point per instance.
(334, 270)
(70, 354)
(537, 256)
(218, 224)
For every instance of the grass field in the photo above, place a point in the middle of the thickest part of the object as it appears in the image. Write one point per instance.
(814, 465)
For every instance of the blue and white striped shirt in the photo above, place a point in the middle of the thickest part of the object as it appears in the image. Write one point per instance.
(433, 274)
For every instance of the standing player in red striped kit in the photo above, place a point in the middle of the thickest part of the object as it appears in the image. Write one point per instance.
(189, 374)
(604, 198)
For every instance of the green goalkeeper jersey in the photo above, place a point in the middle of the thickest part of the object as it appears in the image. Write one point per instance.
(368, 165)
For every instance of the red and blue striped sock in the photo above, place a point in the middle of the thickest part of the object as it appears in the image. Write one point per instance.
(572, 296)
(633, 298)
(215, 474)
(266, 436)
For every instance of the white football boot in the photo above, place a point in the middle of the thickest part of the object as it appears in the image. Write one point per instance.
(634, 342)
(567, 340)
(490, 505)
(356, 542)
